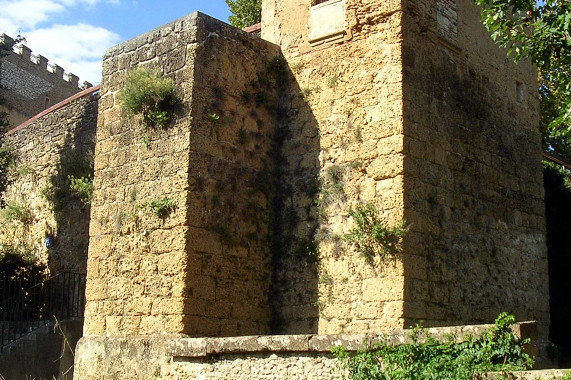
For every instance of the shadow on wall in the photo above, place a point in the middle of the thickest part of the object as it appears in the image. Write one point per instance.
(69, 194)
(258, 192)
(473, 187)
(295, 217)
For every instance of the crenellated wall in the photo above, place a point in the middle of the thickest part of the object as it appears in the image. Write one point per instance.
(31, 84)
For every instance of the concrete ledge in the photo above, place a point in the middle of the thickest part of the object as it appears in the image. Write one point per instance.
(547, 374)
(245, 357)
(201, 347)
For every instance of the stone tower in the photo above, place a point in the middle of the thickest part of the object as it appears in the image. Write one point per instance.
(403, 107)
(409, 105)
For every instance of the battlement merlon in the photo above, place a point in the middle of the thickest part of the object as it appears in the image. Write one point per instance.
(42, 62)
(6, 39)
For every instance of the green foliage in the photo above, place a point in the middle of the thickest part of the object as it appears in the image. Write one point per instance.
(213, 117)
(162, 208)
(73, 181)
(541, 31)
(332, 82)
(14, 211)
(82, 187)
(149, 95)
(244, 12)
(6, 160)
(370, 235)
(498, 349)
(17, 266)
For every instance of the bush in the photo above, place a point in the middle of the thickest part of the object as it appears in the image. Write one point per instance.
(14, 211)
(162, 208)
(498, 349)
(370, 235)
(149, 95)
(20, 267)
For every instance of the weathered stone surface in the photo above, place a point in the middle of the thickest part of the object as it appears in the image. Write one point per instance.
(45, 151)
(248, 357)
(419, 112)
(203, 270)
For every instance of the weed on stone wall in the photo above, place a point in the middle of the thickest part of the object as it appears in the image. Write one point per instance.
(371, 236)
(73, 180)
(6, 160)
(498, 349)
(151, 96)
(162, 208)
(17, 211)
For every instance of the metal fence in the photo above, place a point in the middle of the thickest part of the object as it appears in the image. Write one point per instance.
(26, 305)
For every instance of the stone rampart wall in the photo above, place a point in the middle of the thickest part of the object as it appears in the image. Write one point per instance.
(45, 151)
(413, 108)
(344, 149)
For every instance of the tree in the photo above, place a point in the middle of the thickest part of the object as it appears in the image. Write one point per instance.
(244, 12)
(540, 31)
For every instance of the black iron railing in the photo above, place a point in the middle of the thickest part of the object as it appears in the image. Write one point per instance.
(26, 306)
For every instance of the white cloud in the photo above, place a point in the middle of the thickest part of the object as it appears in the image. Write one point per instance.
(26, 14)
(77, 48)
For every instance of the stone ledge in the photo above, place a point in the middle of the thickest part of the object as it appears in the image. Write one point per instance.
(547, 374)
(201, 347)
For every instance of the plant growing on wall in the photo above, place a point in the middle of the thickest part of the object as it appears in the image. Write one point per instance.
(14, 211)
(6, 159)
(82, 187)
(497, 349)
(150, 96)
(162, 208)
(370, 235)
(74, 180)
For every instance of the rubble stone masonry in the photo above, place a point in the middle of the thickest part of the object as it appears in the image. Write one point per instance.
(44, 150)
(202, 270)
(419, 113)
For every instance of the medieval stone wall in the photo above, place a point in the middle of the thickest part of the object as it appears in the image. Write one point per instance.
(347, 115)
(30, 86)
(473, 177)
(202, 270)
(43, 215)
(414, 109)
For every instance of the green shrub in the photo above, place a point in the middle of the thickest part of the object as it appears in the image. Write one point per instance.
(6, 160)
(161, 208)
(498, 349)
(73, 180)
(149, 95)
(14, 211)
(22, 266)
(82, 187)
(370, 235)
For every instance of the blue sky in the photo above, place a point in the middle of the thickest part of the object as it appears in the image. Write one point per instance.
(75, 33)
